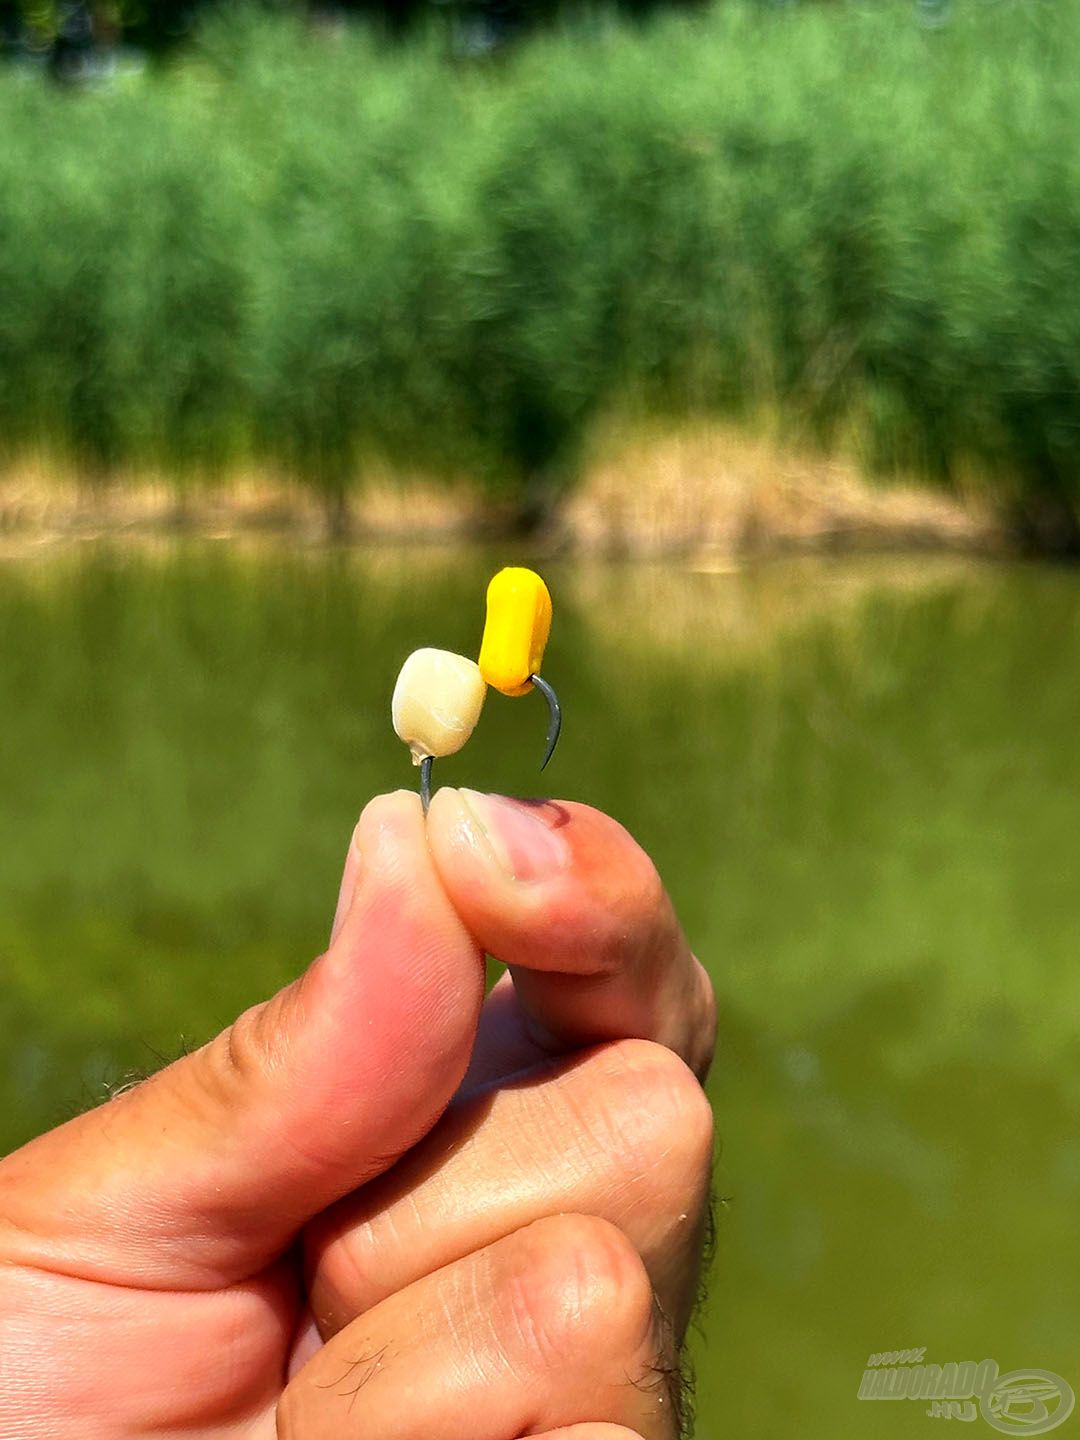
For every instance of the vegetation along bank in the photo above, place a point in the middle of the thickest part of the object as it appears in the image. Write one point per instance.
(324, 256)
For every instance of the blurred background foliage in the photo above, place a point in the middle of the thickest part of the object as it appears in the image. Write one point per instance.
(158, 25)
(301, 244)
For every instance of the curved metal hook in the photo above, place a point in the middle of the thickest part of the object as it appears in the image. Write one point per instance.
(554, 730)
(554, 716)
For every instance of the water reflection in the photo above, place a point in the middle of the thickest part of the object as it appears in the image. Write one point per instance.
(860, 782)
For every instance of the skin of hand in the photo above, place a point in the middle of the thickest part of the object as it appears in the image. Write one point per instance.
(379, 1205)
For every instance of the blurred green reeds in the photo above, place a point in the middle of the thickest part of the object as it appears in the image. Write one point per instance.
(310, 252)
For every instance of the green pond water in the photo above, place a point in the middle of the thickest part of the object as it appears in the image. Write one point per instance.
(861, 782)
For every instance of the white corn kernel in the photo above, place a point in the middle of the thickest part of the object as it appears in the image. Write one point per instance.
(437, 702)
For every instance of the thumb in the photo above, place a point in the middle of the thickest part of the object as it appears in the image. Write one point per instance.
(203, 1174)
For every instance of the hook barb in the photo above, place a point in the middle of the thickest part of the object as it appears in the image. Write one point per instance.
(554, 716)
(425, 781)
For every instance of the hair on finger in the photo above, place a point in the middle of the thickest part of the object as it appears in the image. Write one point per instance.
(669, 1376)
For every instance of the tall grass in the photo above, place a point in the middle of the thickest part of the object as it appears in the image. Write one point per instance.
(308, 252)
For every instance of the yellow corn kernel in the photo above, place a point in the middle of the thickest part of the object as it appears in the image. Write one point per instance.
(516, 630)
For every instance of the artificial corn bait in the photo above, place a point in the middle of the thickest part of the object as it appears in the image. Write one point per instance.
(515, 635)
(437, 702)
(516, 631)
(439, 695)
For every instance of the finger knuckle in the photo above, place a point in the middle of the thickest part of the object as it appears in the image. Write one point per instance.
(249, 1052)
(353, 1261)
(581, 1291)
(654, 1115)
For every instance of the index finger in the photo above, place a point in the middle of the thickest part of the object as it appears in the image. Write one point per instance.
(568, 900)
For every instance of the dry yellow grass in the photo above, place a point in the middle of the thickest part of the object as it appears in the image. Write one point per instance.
(711, 493)
(715, 491)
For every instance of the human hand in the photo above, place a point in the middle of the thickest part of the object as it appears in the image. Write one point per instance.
(151, 1283)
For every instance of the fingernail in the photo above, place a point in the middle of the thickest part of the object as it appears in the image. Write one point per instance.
(519, 837)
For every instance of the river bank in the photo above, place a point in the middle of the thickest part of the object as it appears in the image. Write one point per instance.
(708, 493)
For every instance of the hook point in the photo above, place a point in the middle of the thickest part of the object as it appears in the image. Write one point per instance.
(554, 716)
